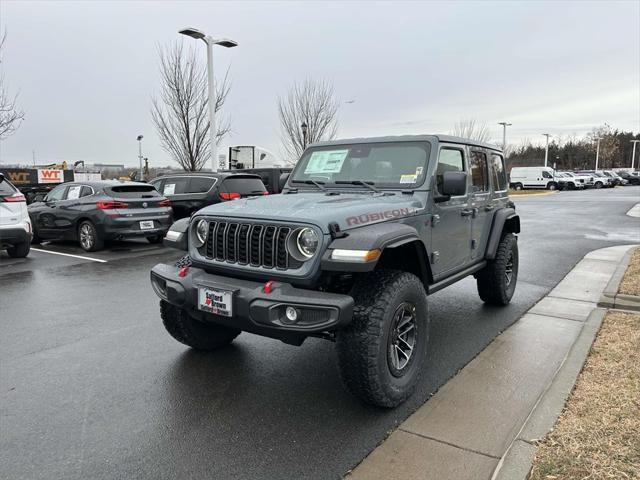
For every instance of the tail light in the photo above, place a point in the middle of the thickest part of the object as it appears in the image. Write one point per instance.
(229, 195)
(265, 193)
(165, 203)
(111, 204)
(16, 197)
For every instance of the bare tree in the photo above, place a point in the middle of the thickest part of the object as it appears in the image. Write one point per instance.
(312, 102)
(10, 115)
(181, 113)
(470, 128)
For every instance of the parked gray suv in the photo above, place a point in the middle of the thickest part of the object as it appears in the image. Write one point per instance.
(364, 231)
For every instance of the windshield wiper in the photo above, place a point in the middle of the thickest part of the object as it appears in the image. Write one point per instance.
(369, 185)
(318, 184)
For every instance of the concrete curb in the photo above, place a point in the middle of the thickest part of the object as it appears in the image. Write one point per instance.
(610, 297)
(486, 420)
(543, 194)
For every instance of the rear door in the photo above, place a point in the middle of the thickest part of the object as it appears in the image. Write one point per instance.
(479, 201)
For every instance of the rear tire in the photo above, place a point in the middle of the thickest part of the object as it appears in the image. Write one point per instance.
(598, 185)
(194, 333)
(90, 240)
(517, 187)
(19, 250)
(381, 353)
(552, 186)
(497, 281)
(155, 239)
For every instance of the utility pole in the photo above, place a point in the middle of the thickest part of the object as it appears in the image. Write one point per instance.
(504, 134)
(140, 137)
(33, 153)
(546, 149)
(633, 155)
(597, 152)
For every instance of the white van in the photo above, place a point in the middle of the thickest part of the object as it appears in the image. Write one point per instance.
(533, 177)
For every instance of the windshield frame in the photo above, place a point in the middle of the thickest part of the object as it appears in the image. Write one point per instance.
(296, 183)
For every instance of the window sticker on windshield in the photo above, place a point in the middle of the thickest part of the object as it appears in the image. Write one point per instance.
(169, 189)
(74, 192)
(411, 178)
(328, 161)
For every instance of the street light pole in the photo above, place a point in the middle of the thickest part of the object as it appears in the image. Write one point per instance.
(304, 128)
(597, 152)
(546, 149)
(210, 41)
(504, 134)
(633, 155)
(140, 137)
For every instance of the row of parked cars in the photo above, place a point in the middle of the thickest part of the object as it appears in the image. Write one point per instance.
(95, 212)
(550, 179)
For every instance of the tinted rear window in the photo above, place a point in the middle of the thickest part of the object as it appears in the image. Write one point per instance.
(6, 189)
(200, 184)
(175, 186)
(132, 191)
(243, 185)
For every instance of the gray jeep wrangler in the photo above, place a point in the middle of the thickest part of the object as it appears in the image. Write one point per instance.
(363, 232)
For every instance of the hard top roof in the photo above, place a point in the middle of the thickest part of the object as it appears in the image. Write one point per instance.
(409, 138)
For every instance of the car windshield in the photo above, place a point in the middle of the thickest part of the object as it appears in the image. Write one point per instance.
(391, 165)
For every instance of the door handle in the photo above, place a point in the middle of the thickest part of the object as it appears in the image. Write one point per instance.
(489, 207)
(466, 212)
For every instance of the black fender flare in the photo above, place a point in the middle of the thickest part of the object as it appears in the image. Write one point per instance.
(379, 236)
(505, 219)
(178, 235)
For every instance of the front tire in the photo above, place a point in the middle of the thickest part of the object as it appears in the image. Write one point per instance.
(598, 185)
(552, 186)
(517, 187)
(497, 281)
(381, 353)
(20, 250)
(90, 240)
(194, 333)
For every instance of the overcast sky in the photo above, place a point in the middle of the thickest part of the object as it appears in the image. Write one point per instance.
(85, 71)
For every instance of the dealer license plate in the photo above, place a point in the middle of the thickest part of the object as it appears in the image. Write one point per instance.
(146, 224)
(212, 300)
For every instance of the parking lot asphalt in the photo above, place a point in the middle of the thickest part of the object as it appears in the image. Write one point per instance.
(91, 386)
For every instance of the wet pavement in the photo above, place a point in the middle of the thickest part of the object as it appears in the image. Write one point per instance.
(91, 386)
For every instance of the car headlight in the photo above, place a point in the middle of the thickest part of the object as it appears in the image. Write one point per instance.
(202, 228)
(306, 243)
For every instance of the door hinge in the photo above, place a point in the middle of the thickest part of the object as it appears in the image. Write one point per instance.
(474, 244)
(435, 219)
(434, 257)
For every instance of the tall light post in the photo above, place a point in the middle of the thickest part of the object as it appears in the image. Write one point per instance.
(304, 129)
(633, 155)
(210, 41)
(597, 152)
(546, 149)
(504, 134)
(140, 137)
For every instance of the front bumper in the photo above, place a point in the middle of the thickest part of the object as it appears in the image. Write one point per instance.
(254, 310)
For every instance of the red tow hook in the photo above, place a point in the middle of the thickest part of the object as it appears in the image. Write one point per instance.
(268, 287)
(183, 272)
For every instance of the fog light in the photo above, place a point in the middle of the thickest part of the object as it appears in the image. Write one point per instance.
(291, 314)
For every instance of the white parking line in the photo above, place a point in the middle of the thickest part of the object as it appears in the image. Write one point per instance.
(69, 255)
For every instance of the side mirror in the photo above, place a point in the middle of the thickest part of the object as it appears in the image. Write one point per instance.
(454, 184)
(282, 181)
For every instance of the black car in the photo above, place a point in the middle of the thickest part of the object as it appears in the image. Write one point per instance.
(629, 177)
(189, 192)
(93, 212)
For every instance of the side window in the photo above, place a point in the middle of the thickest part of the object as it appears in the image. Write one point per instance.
(479, 174)
(157, 184)
(56, 194)
(449, 160)
(546, 174)
(200, 184)
(497, 171)
(175, 186)
(74, 192)
(86, 191)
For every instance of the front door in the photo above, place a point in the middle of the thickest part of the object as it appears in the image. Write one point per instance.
(451, 219)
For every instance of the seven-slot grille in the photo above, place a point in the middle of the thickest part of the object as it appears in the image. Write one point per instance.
(248, 244)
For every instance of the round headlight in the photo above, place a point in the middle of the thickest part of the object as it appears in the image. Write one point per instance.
(202, 229)
(307, 242)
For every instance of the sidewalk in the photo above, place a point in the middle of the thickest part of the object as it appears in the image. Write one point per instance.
(482, 423)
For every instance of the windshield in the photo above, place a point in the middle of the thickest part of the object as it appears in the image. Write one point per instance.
(392, 165)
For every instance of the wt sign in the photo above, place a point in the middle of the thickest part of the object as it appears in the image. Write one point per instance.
(46, 175)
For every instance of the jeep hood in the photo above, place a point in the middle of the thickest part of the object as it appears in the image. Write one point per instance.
(348, 210)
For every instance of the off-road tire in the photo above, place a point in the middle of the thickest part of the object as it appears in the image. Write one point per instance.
(19, 250)
(155, 239)
(96, 243)
(194, 333)
(363, 346)
(184, 261)
(493, 287)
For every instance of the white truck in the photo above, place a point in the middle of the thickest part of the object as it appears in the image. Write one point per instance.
(251, 156)
(533, 177)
